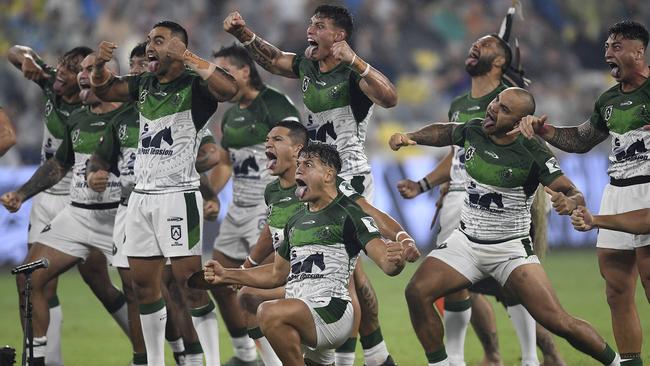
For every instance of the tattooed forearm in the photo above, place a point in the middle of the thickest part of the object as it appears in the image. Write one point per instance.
(435, 134)
(96, 163)
(578, 139)
(263, 52)
(45, 177)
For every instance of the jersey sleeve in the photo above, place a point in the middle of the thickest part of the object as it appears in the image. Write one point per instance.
(295, 64)
(109, 145)
(65, 153)
(267, 193)
(205, 136)
(204, 104)
(547, 163)
(459, 134)
(46, 83)
(346, 188)
(133, 82)
(596, 119)
(359, 228)
(284, 248)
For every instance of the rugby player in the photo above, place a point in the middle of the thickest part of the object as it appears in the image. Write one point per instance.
(621, 112)
(316, 258)
(493, 236)
(7, 133)
(339, 92)
(164, 213)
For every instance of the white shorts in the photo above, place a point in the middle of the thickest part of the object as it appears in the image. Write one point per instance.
(618, 200)
(476, 261)
(120, 260)
(75, 230)
(452, 204)
(167, 225)
(45, 207)
(330, 334)
(240, 230)
(363, 184)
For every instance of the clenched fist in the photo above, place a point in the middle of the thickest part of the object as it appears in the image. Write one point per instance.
(399, 140)
(581, 219)
(12, 201)
(104, 52)
(213, 272)
(176, 49)
(211, 209)
(234, 24)
(98, 181)
(342, 52)
(32, 71)
(408, 188)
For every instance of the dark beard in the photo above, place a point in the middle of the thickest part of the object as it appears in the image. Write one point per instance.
(482, 67)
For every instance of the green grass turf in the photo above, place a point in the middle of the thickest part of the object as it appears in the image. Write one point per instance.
(91, 337)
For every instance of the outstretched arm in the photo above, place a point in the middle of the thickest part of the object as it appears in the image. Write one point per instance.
(266, 276)
(27, 61)
(265, 54)
(441, 174)
(7, 133)
(105, 85)
(47, 175)
(435, 134)
(565, 196)
(633, 222)
(576, 139)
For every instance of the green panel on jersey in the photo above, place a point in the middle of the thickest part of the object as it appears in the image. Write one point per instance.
(282, 203)
(193, 220)
(307, 232)
(624, 120)
(465, 108)
(622, 112)
(506, 171)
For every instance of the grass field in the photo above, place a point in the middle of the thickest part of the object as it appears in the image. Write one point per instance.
(90, 337)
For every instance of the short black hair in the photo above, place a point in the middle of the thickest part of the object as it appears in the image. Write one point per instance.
(326, 153)
(139, 50)
(630, 29)
(507, 52)
(240, 57)
(339, 15)
(297, 132)
(73, 57)
(176, 29)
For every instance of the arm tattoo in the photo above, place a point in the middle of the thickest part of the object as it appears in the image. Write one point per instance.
(369, 307)
(45, 177)
(225, 87)
(578, 139)
(263, 52)
(435, 134)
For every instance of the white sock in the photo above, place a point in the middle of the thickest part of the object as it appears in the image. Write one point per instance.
(456, 323)
(207, 328)
(244, 348)
(194, 359)
(53, 355)
(617, 361)
(267, 353)
(344, 358)
(121, 317)
(40, 347)
(177, 346)
(444, 362)
(376, 355)
(153, 318)
(525, 327)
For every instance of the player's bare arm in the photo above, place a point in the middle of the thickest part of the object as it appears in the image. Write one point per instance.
(390, 228)
(7, 133)
(207, 157)
(222, 172)
(441, 174)
(267, 276)
(565, 196)
(633, 222)
(577, 139)
(47, 175)
(388, 256)
(435, 134)
(104, 84)
(374, 84)
(26, 60)
(262, 249)
(265, 54)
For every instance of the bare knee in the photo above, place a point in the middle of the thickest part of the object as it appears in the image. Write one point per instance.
(269, 316)
(249, 300)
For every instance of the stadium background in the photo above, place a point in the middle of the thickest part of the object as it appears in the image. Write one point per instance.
(420, 46)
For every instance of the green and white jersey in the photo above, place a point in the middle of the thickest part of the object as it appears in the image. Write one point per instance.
(338, 111)
(171, 114)
(465, 108)
(85, 132)
(244, 133)
(119, 146)
(322, 248)
(623, 116)
(502, 182)
(57, 112)
(283, 204)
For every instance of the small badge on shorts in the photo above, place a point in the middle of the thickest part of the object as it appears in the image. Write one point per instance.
(175, 231)
(46, 228)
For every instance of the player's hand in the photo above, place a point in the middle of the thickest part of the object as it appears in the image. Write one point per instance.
(562, 204)
(410, 250)
(98, 181)
(399, 140)
(12, 201)
(213, 272)
(342, 52)
(176, 49)
(234, 24)
(646, 127)
(32, 71)
(211, 209)
(408, 188)
(530, 126)
(104, 52)
(581, 219)
(395, 254)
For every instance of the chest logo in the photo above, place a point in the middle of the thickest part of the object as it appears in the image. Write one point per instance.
(474, 108)
(305, 83)
(321, 83)
(247, 164)
(553, 165)
(469, 153)
(484, 199)
(335, 92)
(608, 112)
(627, 102)
(176, 100)
(75, 136)
(157, 139)
(98, 124)
(48, 108)
(121, 133)
(143, 96)
(454, 117)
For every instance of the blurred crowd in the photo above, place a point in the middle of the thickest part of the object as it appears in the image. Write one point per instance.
(420, 45)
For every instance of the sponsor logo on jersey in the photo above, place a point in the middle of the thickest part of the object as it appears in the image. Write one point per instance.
(304, 269)
(627, 102)
(174, 218)
(484, 200)
(335, 92)
(285, 199)
(98, 124)
(242, 169)
(469, 153)
(321, 83)
(474, 108)
(608, 112)
(75, 136)
(626, 152)
(309, 222)
(320, 133)
(492, 154)
(370, 224)
(239, 119)
(175, 232)
(151, 142)
(46, 228)
(305, 83)
(553, 165)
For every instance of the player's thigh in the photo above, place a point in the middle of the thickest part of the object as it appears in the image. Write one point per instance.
(250, 298)
(58, 262)
(44, 209)
(643, 265)
(619, 269)
(531, 285)
(177, 224)
(293, 312)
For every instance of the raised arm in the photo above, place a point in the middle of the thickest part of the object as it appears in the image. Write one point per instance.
(388, 256)
(441, 174)
(435, 134)
(633, 222)
(221, 84)
(267, 276)
(105, 85)
(577, 139)
(47, 175)
(265, 54)
(7, 133)
(27, 61)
